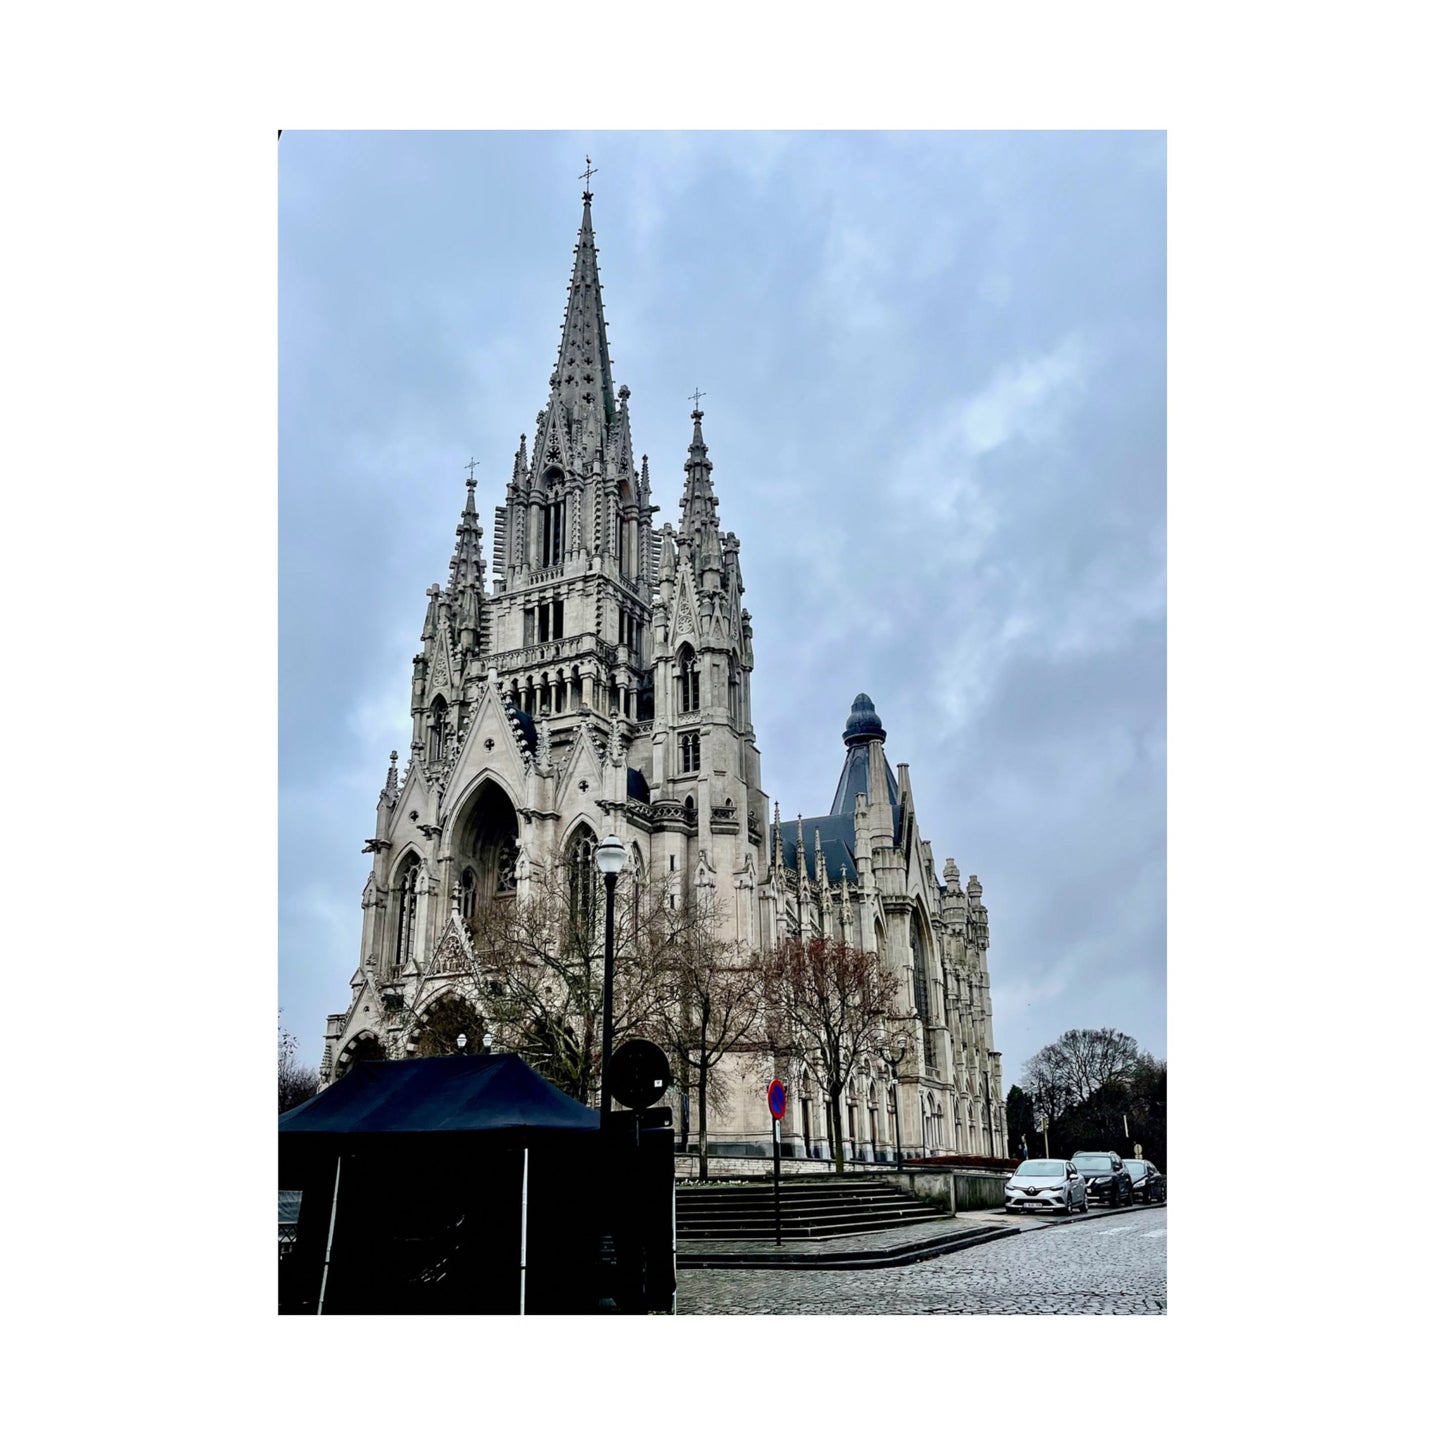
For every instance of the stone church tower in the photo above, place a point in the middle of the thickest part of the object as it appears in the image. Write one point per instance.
(601, 682)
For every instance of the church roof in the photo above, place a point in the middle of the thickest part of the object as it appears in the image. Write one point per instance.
(527, 726)
(835, 831)
(855, 780)
(862, 727)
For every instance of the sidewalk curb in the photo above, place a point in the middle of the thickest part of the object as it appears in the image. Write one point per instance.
(1103, 1212)
(855, 1259)
(900, 1254)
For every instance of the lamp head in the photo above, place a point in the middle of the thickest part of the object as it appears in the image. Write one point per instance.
(610, 855)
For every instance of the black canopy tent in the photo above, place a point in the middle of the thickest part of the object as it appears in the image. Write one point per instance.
(414, 1161)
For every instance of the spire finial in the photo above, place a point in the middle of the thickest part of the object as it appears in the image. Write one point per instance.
(586, 177)
(696, 397)
(472, 470)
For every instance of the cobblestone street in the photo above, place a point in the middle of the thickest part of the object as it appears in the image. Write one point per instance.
(1112, 1265)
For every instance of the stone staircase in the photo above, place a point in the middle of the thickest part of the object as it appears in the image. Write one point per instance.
(818, 1208)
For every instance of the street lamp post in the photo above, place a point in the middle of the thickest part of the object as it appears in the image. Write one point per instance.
(610, 854)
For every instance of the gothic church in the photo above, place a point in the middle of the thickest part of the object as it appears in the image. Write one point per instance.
(599, 683)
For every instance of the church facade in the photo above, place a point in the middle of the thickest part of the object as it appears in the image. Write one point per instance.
(600, 681)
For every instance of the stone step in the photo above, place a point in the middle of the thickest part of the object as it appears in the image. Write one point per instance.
(793, 1208)
(764, 1224)
(803, 1210)
(697, 1195)
(885, 1257)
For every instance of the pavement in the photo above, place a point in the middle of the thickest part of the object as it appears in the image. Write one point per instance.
(875, 1249)
(1103, 1262)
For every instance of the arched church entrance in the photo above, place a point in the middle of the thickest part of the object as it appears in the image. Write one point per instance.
(440, 1025)
(364, 1048)
(484, 852)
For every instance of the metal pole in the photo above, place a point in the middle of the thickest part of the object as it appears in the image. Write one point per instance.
(777, 1185)
(330, 1233)
(610, 879)
(523, 1308)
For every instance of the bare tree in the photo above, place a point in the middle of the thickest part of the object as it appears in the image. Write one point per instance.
(528, 969)
(714, 1001)
(828, 1006)
(296, 1082)
(1080, 1062)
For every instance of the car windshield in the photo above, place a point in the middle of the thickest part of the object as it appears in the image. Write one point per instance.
(1137, 1168)
(1031, 1168)
(1094, 1163)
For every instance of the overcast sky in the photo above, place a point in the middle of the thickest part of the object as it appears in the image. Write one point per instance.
(934, 377)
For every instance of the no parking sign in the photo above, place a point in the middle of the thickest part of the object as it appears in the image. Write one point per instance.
(777, 1099)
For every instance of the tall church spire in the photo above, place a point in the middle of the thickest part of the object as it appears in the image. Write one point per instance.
(466, 563)
(699, 510)
(582, 381)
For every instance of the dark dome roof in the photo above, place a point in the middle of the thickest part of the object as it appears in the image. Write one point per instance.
(863, 723)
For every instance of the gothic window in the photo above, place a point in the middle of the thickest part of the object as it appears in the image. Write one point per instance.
(635, 860)
(553, 521)
(582, 886)
(921, 990)
(507, 866)
(406, 917)
(549, 620)
(689, 680)
(469, 892)
(553, 527)
(436, 730)
(691, 752)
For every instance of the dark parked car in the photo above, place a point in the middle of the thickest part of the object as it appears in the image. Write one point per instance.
(1148, 1181)
(1105, 1178)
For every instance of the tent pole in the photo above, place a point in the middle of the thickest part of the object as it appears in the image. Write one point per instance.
(330, 1233)
(523, 1309)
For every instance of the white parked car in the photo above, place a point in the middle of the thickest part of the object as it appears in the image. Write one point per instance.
(1045, 1184)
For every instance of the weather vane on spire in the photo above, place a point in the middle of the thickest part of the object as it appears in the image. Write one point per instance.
(587, 176)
